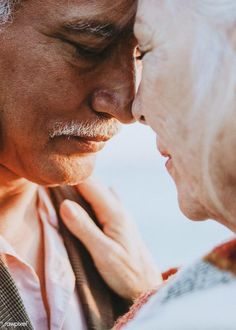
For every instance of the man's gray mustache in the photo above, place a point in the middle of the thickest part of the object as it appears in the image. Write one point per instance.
(105, 128)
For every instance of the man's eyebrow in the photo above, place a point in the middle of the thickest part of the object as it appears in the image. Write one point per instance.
(96, 28)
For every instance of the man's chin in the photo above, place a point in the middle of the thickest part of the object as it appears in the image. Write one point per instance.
(73, 172)
(58, 171)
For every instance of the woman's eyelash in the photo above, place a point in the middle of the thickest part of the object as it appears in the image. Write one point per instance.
(139, 54)
(140, 57)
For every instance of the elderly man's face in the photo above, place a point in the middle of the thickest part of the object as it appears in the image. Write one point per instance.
(67, 76)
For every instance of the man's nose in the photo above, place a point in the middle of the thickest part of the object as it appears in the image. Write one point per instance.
(117, 83)
(110, 102)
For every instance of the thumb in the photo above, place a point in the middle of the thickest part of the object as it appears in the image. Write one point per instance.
(82, 226)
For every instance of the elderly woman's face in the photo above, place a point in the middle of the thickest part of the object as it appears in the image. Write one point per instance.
(165, 99)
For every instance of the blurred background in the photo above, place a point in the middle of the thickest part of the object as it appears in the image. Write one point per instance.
(131, 164)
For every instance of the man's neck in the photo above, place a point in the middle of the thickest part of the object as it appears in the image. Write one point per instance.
(20, 224)
(17, 203)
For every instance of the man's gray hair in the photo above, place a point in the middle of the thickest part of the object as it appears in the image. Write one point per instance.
(6, 8)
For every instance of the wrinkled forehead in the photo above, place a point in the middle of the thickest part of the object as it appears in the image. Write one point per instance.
(146, 21)
(118, 12)
(160, 10)
(158, 18)
(149, 11)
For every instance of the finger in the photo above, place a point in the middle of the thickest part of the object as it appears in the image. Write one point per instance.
(105, 205)
(81, 225)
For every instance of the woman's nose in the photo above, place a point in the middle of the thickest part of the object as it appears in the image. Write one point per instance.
(137, 111)
(110, 102)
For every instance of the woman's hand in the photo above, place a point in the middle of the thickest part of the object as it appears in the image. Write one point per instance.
(117, 249)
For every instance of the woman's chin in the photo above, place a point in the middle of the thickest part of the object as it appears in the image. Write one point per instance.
(191, 208)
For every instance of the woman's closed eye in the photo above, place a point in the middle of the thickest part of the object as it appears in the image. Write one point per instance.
(139, 54)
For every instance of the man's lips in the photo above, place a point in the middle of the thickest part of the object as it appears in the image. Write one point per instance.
(82, 145)
(98, 138)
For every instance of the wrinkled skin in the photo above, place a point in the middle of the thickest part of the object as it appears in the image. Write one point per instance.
(44, 79)
(116, 247)
(48, 75)
(165, 101)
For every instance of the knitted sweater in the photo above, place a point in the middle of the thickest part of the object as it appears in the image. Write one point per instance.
(201, 296)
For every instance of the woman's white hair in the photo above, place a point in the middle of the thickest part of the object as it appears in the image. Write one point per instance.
(213, 71)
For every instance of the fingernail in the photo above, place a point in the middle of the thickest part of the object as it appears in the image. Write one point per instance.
(69, 209)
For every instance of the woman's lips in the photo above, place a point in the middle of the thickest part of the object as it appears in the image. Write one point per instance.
(169, 164)
(165, 154)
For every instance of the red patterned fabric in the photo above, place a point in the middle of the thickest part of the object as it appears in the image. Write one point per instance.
(142, 301)
(169, 273)
(222, 257)
(133, 310)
